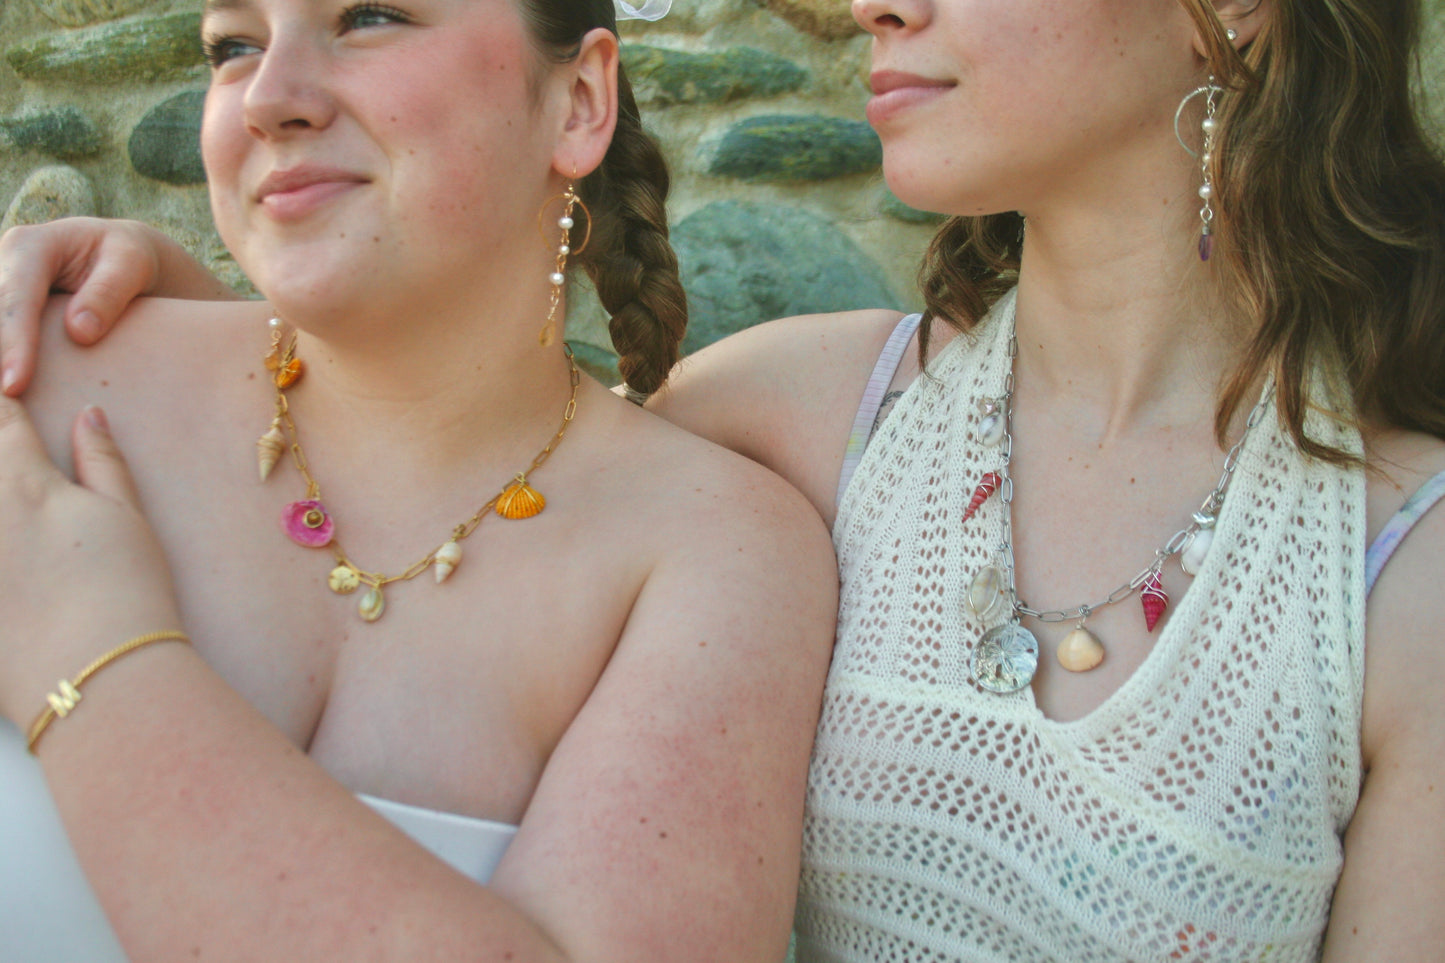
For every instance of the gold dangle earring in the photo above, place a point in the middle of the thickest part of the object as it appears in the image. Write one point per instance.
(558, 277)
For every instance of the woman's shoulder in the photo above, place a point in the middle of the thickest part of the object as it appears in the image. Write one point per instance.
(1404, 660)
(783, 393)
(690, 482)
(162, 353)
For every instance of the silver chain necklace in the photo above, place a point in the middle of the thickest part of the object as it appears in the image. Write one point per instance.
(1006, 657)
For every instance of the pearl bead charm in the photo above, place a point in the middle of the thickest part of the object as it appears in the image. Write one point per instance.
(565, 223)
(557, 278)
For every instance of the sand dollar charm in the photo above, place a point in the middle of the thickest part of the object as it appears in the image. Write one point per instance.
(343, 580)
(1005, 659)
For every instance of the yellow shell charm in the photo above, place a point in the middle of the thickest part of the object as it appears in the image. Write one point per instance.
(520, 500)
(343, 580)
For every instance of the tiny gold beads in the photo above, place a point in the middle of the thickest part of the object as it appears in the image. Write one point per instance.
(1080, 650)
(343, 580)
(520, 500)
(373, 603)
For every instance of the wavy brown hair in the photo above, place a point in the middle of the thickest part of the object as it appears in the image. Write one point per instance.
(1330, 217)
(628, 257)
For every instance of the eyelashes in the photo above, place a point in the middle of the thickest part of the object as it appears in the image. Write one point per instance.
(221, 49)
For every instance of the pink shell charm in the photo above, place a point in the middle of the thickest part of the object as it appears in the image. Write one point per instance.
(986, 487)
(1154, 600)
(308, 523)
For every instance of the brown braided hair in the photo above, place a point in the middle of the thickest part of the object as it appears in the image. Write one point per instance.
(628, 258)
(1330, 217)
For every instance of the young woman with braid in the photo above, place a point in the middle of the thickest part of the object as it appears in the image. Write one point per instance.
(1186, 342)
(511, 629)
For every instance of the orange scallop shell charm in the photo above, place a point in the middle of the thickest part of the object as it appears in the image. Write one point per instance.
(520, 500)
(285, 368)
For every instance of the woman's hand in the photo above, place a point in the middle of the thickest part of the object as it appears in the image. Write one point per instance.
(107, 264)
(80, 570)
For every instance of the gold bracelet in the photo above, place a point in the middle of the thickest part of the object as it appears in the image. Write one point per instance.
(67, 694)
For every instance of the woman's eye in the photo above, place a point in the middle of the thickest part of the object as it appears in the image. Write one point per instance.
(371, 15)
(222, 49)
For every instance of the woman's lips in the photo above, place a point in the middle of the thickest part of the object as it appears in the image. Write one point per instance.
(292, 195)
(895, 92)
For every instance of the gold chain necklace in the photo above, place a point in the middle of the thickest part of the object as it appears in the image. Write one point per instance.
(308, 523)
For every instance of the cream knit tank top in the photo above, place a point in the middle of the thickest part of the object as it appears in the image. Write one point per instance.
(1195, 815)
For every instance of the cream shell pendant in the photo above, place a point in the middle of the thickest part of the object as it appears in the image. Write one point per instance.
(1005, 659)
(1080, 650)
(373, 603)
(447, 558)
(988, 594)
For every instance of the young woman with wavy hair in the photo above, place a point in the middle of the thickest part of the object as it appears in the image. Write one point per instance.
(1121, 672)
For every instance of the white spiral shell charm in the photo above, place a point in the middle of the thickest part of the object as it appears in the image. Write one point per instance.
(448, 557)
(269, 448)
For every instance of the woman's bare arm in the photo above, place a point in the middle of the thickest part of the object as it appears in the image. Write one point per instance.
(1387, 904)
(666, 824)
(107, 263)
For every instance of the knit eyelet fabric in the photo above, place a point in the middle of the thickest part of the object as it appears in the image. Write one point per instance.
(1195, 815)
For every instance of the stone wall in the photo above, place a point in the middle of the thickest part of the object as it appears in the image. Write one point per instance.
(778, 207)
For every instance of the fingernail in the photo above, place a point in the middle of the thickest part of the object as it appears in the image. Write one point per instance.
(95, 418)
(86, 325)
(7, 376)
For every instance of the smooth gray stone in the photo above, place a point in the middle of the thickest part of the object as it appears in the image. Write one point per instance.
(797, 148)
(140, 50)
(166, 144)
(663, 76)
(64, 132)
(50, 193)
(743, 263)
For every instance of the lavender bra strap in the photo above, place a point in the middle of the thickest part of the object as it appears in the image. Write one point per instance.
(883, 371)
(1399, 526)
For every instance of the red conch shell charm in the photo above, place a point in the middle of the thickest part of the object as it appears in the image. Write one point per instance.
(1154, 600)
(986, 487)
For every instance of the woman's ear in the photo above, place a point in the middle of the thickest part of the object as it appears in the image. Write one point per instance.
(591, 105)
(1245, 17)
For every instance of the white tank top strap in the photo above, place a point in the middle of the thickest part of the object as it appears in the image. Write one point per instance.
(1399, 526)
(873, 394)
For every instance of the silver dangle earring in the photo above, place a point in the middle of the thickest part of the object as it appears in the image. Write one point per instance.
(1209, 126)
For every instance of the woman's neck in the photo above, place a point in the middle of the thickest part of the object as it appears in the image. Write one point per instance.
(444, 389)
(1124, 329)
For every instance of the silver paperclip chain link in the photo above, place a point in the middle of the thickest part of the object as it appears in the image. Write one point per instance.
(1176, 544)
